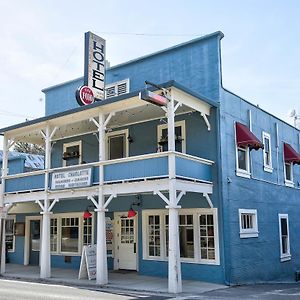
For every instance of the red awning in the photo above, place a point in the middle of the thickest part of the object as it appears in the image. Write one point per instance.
(290, 154)
(245, 138)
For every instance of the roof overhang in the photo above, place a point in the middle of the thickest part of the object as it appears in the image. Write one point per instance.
(128, 109)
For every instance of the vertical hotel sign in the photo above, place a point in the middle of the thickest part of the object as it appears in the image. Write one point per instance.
(94, 70)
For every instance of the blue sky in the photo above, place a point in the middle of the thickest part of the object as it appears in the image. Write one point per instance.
(42, 45)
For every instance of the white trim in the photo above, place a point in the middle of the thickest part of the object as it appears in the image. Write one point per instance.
(196, 212)
(71, 144)
(114, 134)
(241, 172)
(181, 124)
(11, 217)
(287, 182)
(267, 167)
(249, 232)
(284, 256)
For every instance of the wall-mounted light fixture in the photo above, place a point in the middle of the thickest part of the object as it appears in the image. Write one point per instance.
(87, 214)
(130, 139)
(137, 202)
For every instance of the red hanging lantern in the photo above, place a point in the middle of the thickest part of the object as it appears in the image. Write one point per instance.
(86, 214)
(131, 213)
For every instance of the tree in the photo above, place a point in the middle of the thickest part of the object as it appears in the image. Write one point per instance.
(25, 147)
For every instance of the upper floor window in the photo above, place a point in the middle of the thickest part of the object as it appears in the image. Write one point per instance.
(243, 161)
(72, 153)
(291, 156)
(117, 88)
(285, 253)
(117, 144)
(267, 153)
(288, 174)
(180, 137)
(248, 223)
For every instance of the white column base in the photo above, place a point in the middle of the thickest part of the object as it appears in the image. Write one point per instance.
(102, 272)
(45, 263)
(174, 276)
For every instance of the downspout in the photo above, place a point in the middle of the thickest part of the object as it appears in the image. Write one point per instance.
(277, 150)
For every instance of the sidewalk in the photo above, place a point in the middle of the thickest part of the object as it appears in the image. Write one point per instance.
(118, 280)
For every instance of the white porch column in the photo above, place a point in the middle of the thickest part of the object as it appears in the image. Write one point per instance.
(102, 273)
(174, 271)
(2, 190)
(45, 271)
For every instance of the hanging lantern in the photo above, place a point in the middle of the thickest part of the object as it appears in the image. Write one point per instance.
(86, 214)
(131, 213)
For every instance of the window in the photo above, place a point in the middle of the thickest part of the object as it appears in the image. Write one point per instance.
(117, 88)
(53, 235)
(267, 153)
(72, 154)
(284, 237)
(117, 144)
(180, 137)
(242, 161)
(88, 231)
(288, 174)
(198, 235)
(9, 233)
(248, 223)
(70, 235)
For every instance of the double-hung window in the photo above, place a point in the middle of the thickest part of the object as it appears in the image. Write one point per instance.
(284, 237)
(243, 161)
(117, 144)
(72, 153)
(288, 174)
(267, 153)
(248, 223)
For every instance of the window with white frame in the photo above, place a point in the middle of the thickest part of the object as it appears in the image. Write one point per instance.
(198, 235)
(72, 153)
(288, 174)
(180, 137)
(117, 144)
(267, 152)
(117, 88)
(9, 233)
(53, 235)
(285, 253)
(87, 231)
(70, 235)
(243, 161)
(248, 223)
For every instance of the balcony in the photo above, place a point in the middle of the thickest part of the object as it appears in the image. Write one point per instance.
(130, 169)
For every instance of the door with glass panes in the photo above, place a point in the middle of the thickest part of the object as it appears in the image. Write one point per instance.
(126, 237)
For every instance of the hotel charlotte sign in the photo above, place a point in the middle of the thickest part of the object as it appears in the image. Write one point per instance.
(71, 179)
(94, 70)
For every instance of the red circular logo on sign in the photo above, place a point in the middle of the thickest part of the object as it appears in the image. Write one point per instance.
(84, 95)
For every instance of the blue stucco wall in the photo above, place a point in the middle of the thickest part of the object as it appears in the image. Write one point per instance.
(195, 64)
(257, 259)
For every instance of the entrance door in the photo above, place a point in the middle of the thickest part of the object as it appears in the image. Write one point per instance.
(35, 234)
(127, 242)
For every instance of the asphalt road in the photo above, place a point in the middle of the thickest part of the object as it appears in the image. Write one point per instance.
(19, 290)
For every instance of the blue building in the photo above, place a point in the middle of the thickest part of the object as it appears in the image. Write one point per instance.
(206, 188)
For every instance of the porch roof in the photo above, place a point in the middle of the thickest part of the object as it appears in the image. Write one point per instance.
(128, 107)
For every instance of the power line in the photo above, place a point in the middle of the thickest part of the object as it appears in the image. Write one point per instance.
(11, 114)
(152, 34)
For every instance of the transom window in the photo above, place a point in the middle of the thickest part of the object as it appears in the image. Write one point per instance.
(197, 235)
(285, 253)
(267, 153)
(248, 223)
(180, 137)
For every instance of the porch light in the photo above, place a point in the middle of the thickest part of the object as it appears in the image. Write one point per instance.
(86, 214)
(132, 213)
